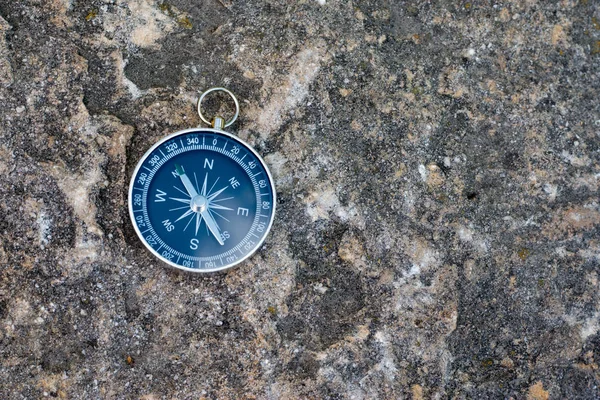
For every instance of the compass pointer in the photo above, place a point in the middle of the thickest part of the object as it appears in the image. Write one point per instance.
(186, 201)
(186, 181)
(212, 225)
(219, 200)
(198, 221)
(204, 185)
(213, 186)
(219, 207)
(181, 191)
(188, 212)
(188, 224)
(196, 180)
(179, 208)
(219, 215)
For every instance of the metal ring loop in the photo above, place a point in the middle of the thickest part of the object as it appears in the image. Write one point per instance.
(219, 89)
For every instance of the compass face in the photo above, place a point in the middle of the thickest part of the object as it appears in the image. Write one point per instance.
(202, 200)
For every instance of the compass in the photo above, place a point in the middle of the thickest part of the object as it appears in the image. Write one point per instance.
(202, 199)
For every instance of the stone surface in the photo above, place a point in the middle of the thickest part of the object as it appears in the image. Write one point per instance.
(438, 172)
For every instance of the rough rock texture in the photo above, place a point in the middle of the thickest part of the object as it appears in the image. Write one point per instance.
(438, 228)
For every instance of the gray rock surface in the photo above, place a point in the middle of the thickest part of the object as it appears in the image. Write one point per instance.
(438, 172)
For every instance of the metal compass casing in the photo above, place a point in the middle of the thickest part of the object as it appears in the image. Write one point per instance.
(201, 199)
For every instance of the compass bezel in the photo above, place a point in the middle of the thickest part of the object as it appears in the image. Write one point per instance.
(235, 139)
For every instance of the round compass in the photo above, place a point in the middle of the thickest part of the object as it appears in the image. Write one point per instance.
(202, 200)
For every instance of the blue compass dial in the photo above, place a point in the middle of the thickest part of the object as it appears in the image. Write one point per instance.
(202, 200)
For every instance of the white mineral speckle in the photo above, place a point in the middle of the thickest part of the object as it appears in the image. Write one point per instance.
(551, 190)
(387, 364)
(44, 222)
(590, 326)
(321, 203)
(286, 95)
(465, 234)
(423, 172)
(135, 91)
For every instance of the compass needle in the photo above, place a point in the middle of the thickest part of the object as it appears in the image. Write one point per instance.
(218, 192)
(202, 176)
(212, 225)
(186, 181)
